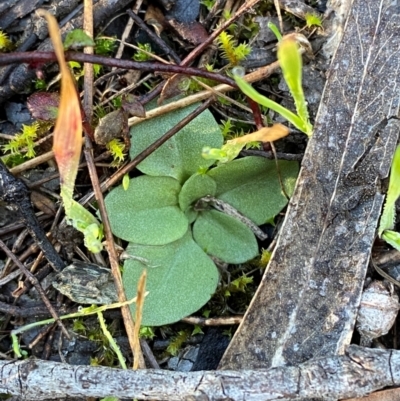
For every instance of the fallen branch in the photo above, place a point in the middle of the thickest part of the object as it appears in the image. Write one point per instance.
(359, 372)
(307, 303)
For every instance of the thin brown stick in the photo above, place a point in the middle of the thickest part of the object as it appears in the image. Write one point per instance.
(40, 336)
(199, 49)
(148, 353)
(28, 311)
(142, 25)
(218, 321)
(45, 57)
(88, 68)
(127, 30)
(261, 73)
(138, 318)
(112, 253)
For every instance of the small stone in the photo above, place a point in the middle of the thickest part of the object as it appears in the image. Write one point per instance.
(173, 363)
(185, 365)
(378, 310)
(191, 354)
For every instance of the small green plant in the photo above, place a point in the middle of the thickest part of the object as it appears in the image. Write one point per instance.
(40, 84)
(142, 53)
(389, 211)
(177, 342)
(265, 258)
(5, 43)
(313, 20)
(116, 148)
(226, 128)
(105, 47)
(24, 141)
(275, 31)
(209, 4)
(191, 85)
(291, 63)
(197, 330)
(171, 215)
(226, 14)
(238, 284)
(77, 39)
(231, 51)
(147, 332)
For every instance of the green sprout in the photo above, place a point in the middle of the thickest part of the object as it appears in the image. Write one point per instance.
(231, 149)
(231, 51)
(291, 64)
(5, 43)
(67, 145)
(313, 20)
(125, 182)
(113, 345)
(40, 84)
(177, 342)
(226, 128)
(275, 31)
(116, 148)
(24, 141)
(209, 4)
(238, 285)
(389, 210)
(142, 54)
(104, 47)
(147, 332)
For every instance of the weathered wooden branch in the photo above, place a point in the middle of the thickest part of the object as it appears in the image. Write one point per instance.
(365, 370)
(307, 303)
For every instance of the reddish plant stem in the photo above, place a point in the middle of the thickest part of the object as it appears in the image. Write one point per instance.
(45, 57)
(255, 108)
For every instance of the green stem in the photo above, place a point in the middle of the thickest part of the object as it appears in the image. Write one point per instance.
(91, 310)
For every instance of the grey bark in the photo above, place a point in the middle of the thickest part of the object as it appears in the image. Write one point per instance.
(307, 303)
(357, 373)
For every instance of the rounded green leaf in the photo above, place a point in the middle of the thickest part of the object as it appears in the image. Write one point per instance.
(181, 278)
(251, 185)
(147, 211)
(180, 156)
(191, 215)
(197, 186)
(225, 237)
(77, 39)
